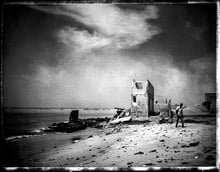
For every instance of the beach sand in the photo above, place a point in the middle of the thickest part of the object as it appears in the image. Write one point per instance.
(146, 144)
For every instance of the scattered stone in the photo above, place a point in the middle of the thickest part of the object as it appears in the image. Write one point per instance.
(138, 153)
(185, 146)
(148, 164)
(194, 144)
(93, 155)
(161, 140)
(101, 151)
(118, 140)
(185, 163)
(77, 158)
(90, 136)
(153, 150)
(129, 164)
(159, 161)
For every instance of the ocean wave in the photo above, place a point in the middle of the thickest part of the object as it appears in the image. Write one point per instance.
(15, 138)
(35, 132)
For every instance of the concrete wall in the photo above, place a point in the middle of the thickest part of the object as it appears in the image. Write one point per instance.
(142, 99)
(150, 93)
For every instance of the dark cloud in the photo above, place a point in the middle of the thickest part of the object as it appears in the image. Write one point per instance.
(59, 56)
(30, 38)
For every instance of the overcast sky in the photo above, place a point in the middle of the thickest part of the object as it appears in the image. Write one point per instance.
(86, 55)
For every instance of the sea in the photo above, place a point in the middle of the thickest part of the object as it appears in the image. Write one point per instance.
(19, 123)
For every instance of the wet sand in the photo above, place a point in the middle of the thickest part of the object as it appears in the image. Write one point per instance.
(146, 144)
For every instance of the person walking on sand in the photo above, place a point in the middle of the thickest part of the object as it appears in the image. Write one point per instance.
(179, 114)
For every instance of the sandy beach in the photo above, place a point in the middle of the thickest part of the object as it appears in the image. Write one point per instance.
(135, 144)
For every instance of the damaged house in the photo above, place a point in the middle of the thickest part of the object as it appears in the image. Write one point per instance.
(210, 101)
(142, 99)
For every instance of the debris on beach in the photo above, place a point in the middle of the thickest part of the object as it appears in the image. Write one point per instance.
(75, 123)
(194, 144)
(139, 153)
(191, 144)
(121, 116)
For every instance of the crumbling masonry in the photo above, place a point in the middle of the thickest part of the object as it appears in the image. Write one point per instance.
(142, 99)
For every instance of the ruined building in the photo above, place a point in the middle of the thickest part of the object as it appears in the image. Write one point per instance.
(142, 99)
(210, 99)
(161, 99)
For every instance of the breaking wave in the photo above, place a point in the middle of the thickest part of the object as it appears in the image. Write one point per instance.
(33, 133)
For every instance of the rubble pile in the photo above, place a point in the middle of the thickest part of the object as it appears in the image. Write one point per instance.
(75, 123)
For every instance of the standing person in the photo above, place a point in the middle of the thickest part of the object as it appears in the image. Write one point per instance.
(179, 114)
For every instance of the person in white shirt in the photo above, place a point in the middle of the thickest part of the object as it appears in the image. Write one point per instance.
(179, 114)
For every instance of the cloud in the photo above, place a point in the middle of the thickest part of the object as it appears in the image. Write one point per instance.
(204, 73)
(93, 72)
(81, 40)
(196, 32)
(113, 27)
(107, 83)
(203, 66)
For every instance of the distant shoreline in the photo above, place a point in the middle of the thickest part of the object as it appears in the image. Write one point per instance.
(54, 108)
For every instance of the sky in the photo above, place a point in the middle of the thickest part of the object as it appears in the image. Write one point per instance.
(86, 55)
